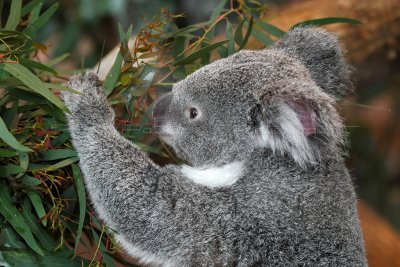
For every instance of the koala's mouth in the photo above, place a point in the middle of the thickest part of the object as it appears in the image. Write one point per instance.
(165, 137)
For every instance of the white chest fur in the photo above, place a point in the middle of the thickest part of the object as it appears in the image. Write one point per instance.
(214, 176)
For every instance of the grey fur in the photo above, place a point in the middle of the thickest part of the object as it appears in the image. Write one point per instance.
(294, 204)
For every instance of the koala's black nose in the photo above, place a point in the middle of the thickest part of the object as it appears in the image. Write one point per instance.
(160, 109)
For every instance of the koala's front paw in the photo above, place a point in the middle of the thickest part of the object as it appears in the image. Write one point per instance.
(90, 106)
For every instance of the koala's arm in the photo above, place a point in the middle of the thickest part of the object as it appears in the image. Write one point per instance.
(129, 192)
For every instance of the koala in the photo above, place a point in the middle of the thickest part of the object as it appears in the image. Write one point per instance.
(264, 181)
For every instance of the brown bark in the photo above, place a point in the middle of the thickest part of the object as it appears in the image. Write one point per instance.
(380, 26)
(381, 240)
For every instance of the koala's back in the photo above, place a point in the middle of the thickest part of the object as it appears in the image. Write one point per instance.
(273, 217)
(294, 218)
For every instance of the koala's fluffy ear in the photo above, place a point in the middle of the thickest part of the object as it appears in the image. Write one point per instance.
(320, 52)
(303, 126)
(284, 126)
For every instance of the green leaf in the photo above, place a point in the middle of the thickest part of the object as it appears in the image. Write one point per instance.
(55, 112)
(36, 65)
(61, 164)
(10, 116)
(80, 189)
(39, 232)
(15, 15)
(238, 37)
(23, 160)
(36, 200)
(14, 217)
(112, 77)
(217, 10)
(59, 140)
(151, 149)
(11, 169)
(199, 53)
(7, 137)
(20, 258)
(262, 37)
(1, 12)
(33, 82)
(55, 154)
(41, 20)
(7, 153)
(325, 21)
(60, 258)
(30, 181)
(30, 6)
(229, 35)
(57, 60)
(12, 238)
(249, 30)
(107, 258)
(271, 29)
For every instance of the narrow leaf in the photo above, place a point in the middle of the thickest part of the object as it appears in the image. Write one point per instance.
(249, 29)
(82, 202)
(36, 200)
(239, 33)
(8, 138)
(36, 65)
(15, 15)
(112, 77)
(15, 218)
(30, 181)
(39, 232)
(200, 53)
(262, 37)
(229, 35)
(61, 164)
(55, 154)
(325, 21)
(30, 6)
(42, 19)
(7, 153)
(217, 10)
(32, 81)
(271, 29)
(11, 169)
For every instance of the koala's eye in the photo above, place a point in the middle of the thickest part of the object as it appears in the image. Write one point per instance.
(193, 113)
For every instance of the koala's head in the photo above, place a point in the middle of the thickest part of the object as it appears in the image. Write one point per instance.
(278, 99)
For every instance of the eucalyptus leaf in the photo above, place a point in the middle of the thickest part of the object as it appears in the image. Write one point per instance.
(15, 15)
(30, 6)
(199, 53)
(325, 21)
(269, 28)
(30, 181)
(11, 169)
(54, 154)
(38, 231)
(32, 81)
(36, 65)
(36, 200)
(7, 137)
(80, 189)
(14, 217)
(7, 153)
(41, 20)
(62, 163)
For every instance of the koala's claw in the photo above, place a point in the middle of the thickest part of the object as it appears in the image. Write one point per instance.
(90, 105)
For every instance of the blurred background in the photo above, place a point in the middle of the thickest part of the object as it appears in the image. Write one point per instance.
(88, 30)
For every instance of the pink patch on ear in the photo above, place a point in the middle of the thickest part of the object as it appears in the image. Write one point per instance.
(306, 116)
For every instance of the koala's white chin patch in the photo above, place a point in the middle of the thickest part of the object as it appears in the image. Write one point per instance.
(214, 176)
